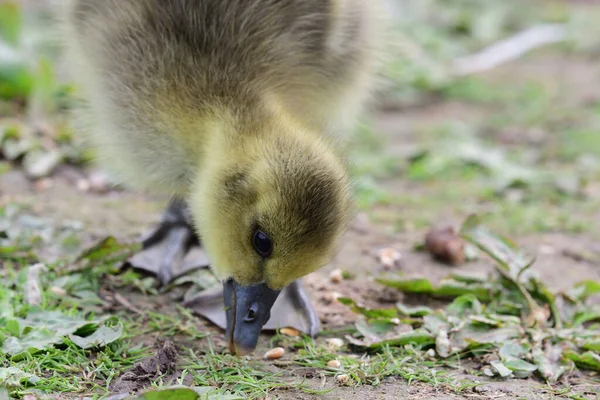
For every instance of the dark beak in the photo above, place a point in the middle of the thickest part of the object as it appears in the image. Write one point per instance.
(248, 308)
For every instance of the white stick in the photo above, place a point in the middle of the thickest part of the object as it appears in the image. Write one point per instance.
(509, 49)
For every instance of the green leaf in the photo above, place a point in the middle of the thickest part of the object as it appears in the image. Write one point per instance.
(11, 20)
(419, 285)
(585, 289)
(42, 329)
(12, 327)
(465, 304)
(418, 311)
(367, 312)
(588, 360)
(593, 345)
(586, 315)
(107, 251)
(170, 394)
(16, 79)
(513, 350)
(520, 368)
(548, 369)
(32, 342)
(501, 369)
(100, 338)
(185, 393)
(15, 377)
(378, 334)
(448, 288)
(481, 335)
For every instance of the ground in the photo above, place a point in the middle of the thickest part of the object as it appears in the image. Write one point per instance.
(542, 111)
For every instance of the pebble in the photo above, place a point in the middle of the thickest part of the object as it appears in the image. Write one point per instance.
(336, 276)
(83, 185)
(343, 379)
(389, 258)
(274, 354)
(334, 344)
(332, 297)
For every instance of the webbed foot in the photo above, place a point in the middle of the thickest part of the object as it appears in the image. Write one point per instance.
(172, 249)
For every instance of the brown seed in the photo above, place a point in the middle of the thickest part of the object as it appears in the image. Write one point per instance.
(58, 291)
(290, 332)
(274, 354)
(342, 379)
(389, 258)
(334, 364)
(336, 276)
(445, 245)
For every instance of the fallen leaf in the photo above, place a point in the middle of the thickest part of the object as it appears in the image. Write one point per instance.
(417, 311)
(582, 290)
(548, 366)
(368, 312)
(501, 369)
(384, 333)
(15, 377)
(183, 393)
(33, 290)
(443, 346)
(101, 337)
(520, 368)
(588, 360)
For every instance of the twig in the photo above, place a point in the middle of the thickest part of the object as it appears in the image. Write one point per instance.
(509, 49)
(127, 304)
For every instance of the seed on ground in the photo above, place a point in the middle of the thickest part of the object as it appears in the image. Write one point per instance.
(275, 353)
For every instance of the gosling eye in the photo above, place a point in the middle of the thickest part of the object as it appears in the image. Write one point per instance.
(262, 243)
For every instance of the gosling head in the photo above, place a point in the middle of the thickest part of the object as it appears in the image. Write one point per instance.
(270, 210)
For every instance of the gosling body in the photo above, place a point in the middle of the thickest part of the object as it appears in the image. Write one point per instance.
(234, 107)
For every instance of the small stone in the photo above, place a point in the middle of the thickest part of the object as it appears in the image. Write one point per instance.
(39, 164)
(274, 354)
(446, 245)
(389, 258)
(99, 182)
(336, 276)
(334, 344)
(332, 297)
(431, 353)
(342, 379)
(334, 364)
(83, 185)
(290, 332)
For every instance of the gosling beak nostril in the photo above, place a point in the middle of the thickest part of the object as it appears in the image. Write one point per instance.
(251, 316)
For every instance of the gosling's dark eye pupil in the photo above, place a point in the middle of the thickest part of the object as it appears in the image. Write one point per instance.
(262, 243)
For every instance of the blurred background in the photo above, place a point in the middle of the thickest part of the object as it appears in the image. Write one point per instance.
(486, 106)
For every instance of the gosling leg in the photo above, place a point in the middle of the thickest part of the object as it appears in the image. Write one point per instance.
(173, 248)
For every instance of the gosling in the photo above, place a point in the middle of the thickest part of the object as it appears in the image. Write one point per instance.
(234, 109)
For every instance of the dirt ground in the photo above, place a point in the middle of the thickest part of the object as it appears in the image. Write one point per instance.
(128, 215)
